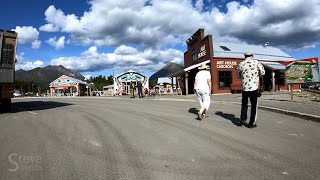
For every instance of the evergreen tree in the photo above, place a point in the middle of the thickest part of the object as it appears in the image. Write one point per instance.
(101, 81)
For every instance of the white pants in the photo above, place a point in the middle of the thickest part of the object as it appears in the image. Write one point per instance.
(204, 98)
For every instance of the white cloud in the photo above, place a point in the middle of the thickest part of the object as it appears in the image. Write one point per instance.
(199, 5)
(124, 22)
(57, 44)
(49, 28)
(124, 58)
(58, 20)
(170, 22)
(86, 77)
(24, 64)
(29, 65)
(282, 23)
(28, 34)
(36, 44)
(126, 50)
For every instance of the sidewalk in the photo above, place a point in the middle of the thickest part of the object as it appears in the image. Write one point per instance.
(305, 105)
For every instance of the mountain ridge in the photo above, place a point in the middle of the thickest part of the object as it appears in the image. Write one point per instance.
(43, 76)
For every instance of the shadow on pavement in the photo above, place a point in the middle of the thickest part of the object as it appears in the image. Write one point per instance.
(193, 111)
(230, 117)
(35, 106)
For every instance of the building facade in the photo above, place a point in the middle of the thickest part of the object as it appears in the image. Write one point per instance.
(66, 85)
(122, 82)
(223, 59)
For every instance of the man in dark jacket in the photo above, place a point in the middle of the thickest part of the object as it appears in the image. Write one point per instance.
(139, 85)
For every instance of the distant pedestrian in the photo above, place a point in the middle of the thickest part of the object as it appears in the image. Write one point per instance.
(132, 87)
(146, 92)
(249, 71)
(153, 92)
(202, 88)
(139, 86)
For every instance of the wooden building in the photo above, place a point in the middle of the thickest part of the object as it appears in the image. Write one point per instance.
(223, 59)
(65, 85)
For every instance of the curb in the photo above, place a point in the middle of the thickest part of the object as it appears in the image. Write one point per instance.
(305, 116)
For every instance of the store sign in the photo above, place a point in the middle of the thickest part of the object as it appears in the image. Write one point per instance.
(226, 64)
(302, 71)
(202, 51)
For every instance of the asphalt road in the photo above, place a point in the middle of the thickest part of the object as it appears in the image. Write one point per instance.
(113, 138)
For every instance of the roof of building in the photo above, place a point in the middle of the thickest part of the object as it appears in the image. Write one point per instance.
(196, 65)
(130, 71)
(70, 80)
(274, 65)
(130, 76)
(167, 71)
(232, 50)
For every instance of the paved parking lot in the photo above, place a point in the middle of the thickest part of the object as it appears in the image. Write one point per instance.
(123, 138)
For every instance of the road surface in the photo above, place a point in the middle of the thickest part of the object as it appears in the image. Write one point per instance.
(123, 138)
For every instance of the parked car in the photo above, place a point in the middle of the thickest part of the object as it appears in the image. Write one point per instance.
(17, 94)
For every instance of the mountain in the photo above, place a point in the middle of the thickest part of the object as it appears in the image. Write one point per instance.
(44, 76)
(166, 71)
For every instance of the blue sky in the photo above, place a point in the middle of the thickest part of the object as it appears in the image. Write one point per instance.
(98, 36)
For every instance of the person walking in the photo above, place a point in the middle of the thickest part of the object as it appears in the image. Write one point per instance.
(249, 71)
(202, 88)
(132, 87)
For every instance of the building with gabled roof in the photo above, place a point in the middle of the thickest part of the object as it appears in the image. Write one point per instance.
(65, 85)
(122, 82)
(223, 59)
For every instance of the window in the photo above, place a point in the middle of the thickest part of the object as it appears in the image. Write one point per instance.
(194, 54)
(225, 48)
(225, 79)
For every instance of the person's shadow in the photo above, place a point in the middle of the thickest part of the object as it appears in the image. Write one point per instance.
(230, 117)
(194, 111)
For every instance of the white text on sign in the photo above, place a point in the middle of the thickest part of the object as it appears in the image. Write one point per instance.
(226, 64)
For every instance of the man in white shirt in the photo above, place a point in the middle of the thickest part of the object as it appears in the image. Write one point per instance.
(202, 88)
(249, 71)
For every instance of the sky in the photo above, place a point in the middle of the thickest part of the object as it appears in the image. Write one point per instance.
(105, 37)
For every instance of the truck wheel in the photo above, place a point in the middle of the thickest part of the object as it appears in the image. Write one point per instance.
(233, 91)
(6, 105)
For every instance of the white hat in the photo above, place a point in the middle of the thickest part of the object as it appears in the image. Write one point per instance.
(248, 53)
(203, 66)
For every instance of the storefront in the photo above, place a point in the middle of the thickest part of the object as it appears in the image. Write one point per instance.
(122, 82)
(223, 59)
(67, 86)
